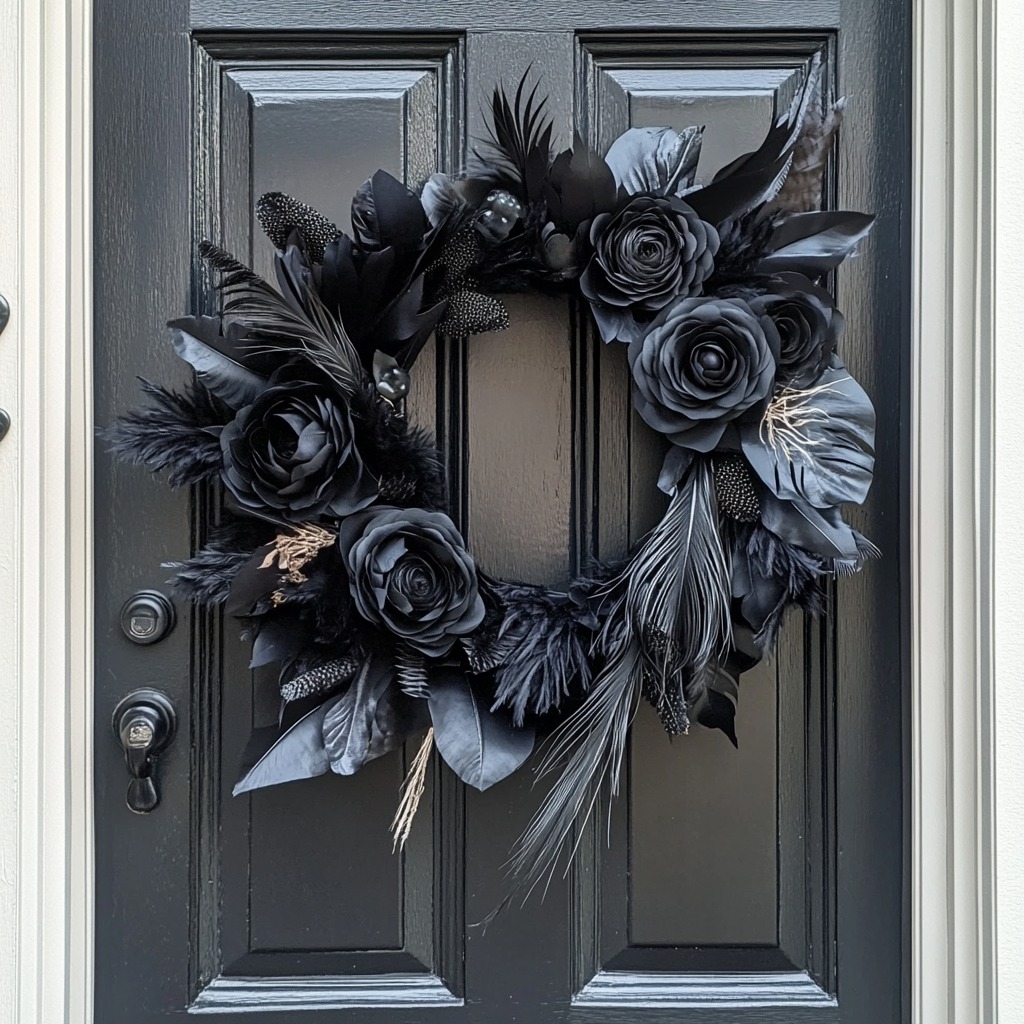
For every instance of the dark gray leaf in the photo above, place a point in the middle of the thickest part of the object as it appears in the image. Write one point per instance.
(199, 342)
(348, 729)
(298, 754)
(821, 531)
(661, 161)
(815, 243)
(822, 451)
(481, 746)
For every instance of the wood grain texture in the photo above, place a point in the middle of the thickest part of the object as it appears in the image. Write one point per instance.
(574, 15)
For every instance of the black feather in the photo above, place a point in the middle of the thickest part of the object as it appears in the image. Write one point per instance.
(756, 178)
(393, 450)
(173, 433)
(227, 263)
(744, 241)
(296, 321)
(517, 150)
(546, 638)
(792, 573)
(280, 215)
(585, 752)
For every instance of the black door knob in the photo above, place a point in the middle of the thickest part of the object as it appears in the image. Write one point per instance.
(144, 722)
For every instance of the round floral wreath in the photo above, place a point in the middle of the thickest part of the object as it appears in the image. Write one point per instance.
(335, 546)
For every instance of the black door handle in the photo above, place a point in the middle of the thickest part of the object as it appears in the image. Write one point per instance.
(144, 722)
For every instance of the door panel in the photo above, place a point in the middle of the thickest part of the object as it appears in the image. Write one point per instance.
(767, 879)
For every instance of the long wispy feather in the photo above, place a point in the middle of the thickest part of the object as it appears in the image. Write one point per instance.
(518, 142)
(172, 433)
(585, 751)
(669, 620)
(679, 585)
(296, 321)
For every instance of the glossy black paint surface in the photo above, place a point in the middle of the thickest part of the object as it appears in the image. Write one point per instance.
(769, 880)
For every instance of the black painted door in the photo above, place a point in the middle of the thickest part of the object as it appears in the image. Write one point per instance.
(769, 880)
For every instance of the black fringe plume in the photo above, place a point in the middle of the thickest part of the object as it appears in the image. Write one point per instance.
(171, 433)
(205, 578)
(798, 573)
(396, 451)
(548, 638)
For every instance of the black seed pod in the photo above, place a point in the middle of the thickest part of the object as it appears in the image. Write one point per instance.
(280, 215)
(734, 489)
(320, 679)
(470, 312)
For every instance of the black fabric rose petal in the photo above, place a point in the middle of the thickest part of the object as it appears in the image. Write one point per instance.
(702, 364)
(653, 250)
(809, 327)
(410, 574)
(293, 451)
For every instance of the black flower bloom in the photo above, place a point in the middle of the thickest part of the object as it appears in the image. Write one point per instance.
(653, 250)
(410, 573)
(809, 326)
(702, 364)
(292, 450)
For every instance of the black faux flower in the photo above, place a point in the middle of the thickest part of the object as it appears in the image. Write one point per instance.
(410, 573)
(809, 326)
(702, 364)
(292, 451)
(653, 250)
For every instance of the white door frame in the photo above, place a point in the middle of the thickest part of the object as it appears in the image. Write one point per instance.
(965, 646)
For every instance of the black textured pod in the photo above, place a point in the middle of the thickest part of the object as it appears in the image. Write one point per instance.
(734, 489)
(471, 312)
(320, 679)
(668, 702)
(280, 214)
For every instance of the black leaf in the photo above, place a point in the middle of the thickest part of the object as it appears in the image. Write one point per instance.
(482, 747)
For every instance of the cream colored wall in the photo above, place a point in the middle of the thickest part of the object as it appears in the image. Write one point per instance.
(1008, 564)
(968, 797)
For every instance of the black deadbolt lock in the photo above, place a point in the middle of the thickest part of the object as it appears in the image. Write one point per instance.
(147, 617)
(144, 723)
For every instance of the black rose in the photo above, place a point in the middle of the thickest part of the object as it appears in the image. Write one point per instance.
(410, 572)
(293, 451)
(701, 364)
(809, 326)
(653, 250)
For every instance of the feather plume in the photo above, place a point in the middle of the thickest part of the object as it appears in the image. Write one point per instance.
(544, 639)
(668, 619)
(517, 149)
(756, 178)
(585, 751)
(299, 321)
(679, 586)
(803, 188)
(173, 433)
(206, 577)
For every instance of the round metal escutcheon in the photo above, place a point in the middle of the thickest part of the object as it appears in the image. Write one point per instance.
(147, 617)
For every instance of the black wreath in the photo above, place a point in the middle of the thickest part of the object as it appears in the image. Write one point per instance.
(336, 547)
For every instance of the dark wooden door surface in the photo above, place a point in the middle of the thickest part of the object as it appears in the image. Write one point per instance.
(768, 880)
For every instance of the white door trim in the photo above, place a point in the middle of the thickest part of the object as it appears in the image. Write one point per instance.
(46, 501)
(45, 513)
